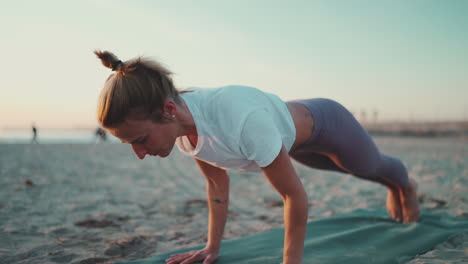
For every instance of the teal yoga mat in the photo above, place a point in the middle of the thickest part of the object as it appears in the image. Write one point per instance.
(361, 236)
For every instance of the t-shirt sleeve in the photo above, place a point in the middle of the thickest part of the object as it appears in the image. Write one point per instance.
(260, 138)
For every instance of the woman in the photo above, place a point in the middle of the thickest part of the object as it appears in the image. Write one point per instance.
(239, 127)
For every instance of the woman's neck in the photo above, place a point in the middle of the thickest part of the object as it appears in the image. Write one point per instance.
(185, 119)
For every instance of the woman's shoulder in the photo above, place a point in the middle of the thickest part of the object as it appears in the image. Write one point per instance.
(239, 89)
(225, 98)
(237, 95)
(236, 99)
(226, 90)
(227, 106)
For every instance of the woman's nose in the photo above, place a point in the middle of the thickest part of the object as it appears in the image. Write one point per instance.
(139, 150)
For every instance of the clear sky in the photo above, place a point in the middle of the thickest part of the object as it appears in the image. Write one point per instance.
(405, 59)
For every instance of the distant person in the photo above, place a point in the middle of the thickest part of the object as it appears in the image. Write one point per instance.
(34, 137)
(243, 128)
(101, 135)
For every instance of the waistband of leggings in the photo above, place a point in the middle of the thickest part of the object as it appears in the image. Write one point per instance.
(315, 110)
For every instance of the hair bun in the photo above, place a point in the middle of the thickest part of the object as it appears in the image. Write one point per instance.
(116, 65)
(108, 59)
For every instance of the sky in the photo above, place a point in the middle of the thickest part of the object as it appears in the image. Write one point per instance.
(405, 60)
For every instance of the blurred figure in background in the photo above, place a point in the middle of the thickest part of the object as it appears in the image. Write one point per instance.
(34, 138)
(101, 135)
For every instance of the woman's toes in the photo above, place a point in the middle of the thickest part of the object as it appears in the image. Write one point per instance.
(394, 205)
(409, 202)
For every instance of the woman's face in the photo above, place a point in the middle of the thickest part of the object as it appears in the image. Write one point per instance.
(147, 137)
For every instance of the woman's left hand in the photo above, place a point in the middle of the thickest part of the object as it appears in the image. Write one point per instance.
(205, 255)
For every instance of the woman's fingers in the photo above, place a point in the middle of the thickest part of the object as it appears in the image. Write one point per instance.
(209, 259)
(194, 258)
(183, 254)
(177, 258)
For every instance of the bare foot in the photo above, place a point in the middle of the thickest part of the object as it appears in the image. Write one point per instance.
(394, 205)
(409, 202)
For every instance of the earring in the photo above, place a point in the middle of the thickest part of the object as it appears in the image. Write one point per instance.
(173, 116)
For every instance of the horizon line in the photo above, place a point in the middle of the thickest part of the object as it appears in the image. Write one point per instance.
(362, 122)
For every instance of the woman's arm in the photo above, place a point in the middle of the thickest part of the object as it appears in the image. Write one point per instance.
(282, 176)
(217, 190)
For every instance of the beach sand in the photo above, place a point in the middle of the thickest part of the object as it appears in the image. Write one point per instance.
(87, 203)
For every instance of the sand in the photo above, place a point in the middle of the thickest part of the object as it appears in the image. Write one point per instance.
(99, 204)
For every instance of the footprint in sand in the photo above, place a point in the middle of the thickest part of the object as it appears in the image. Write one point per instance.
(96, 223)
(430, 202)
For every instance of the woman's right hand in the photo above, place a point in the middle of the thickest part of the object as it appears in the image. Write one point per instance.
(206, 255)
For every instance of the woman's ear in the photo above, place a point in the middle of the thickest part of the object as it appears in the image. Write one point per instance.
(169, 108)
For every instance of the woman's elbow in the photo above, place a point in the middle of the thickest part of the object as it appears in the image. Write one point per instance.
(297, 196)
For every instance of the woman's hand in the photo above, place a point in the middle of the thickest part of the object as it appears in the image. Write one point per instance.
(206, 255)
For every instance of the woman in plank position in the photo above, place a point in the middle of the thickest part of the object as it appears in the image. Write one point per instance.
(243, 128)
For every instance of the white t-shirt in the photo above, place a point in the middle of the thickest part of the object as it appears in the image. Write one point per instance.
(238, 127)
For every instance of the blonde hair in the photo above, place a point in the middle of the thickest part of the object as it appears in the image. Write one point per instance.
(138, 86)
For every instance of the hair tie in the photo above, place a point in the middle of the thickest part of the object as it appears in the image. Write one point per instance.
(116, 64)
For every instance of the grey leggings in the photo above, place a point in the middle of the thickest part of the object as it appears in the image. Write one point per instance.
(340, 143)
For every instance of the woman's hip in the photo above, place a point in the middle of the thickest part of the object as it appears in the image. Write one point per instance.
(331, 119)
